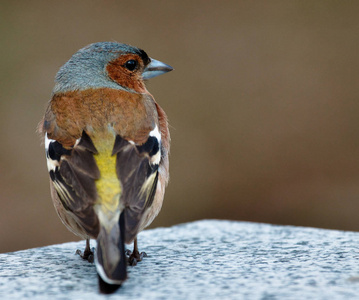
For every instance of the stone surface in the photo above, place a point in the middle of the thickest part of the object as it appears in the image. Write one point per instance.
(204, 259)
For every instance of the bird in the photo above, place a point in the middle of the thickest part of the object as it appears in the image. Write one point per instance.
(107, 145)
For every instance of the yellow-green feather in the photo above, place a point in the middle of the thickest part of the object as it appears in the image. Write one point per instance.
(108, 186)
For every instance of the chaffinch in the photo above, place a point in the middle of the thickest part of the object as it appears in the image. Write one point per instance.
(107, 144)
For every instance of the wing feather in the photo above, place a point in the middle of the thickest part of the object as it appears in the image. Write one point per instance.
(73, 173)
(138, 176)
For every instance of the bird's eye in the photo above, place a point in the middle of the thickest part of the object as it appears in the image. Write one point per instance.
(131, 64)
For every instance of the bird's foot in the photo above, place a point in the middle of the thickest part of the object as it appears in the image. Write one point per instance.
(88, 254)
(133, 257)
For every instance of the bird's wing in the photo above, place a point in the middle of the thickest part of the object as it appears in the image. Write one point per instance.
(73, 172)
(137, 169)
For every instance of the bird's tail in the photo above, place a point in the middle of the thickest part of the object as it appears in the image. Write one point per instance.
(110, 257)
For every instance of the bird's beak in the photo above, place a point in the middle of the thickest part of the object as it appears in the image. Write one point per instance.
(155, 68)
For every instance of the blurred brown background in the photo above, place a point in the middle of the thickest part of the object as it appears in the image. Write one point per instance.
(263, 105)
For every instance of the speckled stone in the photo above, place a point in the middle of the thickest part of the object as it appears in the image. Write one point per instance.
(200, 260)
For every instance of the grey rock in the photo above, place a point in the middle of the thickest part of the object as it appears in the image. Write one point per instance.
(205, 259)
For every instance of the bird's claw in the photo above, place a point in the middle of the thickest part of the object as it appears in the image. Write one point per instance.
(87, 254)
(134, 257)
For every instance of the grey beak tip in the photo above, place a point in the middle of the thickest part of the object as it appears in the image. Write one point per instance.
(155, 68)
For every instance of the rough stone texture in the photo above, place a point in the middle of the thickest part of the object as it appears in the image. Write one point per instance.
(205, 259)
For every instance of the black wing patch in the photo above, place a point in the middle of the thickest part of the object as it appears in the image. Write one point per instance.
(56, 151)
(151, 146)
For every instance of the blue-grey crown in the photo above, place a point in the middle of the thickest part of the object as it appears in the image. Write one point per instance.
(87, 67)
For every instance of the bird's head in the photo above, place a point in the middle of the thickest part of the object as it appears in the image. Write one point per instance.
(108, 65)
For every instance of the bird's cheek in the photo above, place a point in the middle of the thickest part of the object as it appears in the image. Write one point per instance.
(125, 79)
